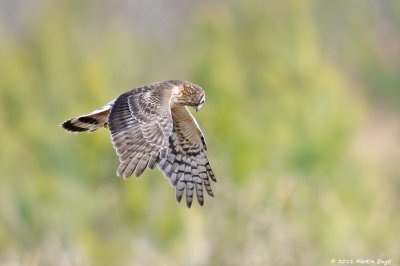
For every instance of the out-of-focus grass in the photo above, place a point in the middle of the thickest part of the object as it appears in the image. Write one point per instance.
(291, 140)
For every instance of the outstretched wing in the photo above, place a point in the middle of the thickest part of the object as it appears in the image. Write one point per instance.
(140, 123)
(186, 164)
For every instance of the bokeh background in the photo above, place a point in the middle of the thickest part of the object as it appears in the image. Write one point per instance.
(301, 119)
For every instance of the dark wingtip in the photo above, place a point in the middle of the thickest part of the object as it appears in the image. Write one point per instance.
(213, 178)
(189, 203)
(200, 201)
(67, 125)
(178, 198)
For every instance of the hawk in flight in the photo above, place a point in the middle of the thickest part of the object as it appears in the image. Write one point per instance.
(151, 125)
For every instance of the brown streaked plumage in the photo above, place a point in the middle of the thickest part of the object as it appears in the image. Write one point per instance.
(151, 125)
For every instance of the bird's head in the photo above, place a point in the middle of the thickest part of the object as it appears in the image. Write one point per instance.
(198, 96)
(192, 95)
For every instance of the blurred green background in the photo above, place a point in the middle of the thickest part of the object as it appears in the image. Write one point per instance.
(301, 119)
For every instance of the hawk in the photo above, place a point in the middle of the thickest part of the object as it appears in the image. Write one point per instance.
(151, 125)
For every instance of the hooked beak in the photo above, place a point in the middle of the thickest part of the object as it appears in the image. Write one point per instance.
(198, 107)
(201, 103)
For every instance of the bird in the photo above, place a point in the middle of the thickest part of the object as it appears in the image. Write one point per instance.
(151, 126)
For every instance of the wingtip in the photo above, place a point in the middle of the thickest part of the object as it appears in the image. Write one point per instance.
(212, 176)
(121, 174)
(201, 202)
(126, 175)
(178, 198)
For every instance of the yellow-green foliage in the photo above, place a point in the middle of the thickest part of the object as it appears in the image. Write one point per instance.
(305, 163)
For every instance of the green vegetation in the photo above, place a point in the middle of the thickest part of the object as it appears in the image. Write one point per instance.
(301, 120)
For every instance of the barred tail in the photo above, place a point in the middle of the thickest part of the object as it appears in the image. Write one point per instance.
(89, 122)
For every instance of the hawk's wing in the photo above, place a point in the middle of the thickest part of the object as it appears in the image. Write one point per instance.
(140, 123)
(186, 164)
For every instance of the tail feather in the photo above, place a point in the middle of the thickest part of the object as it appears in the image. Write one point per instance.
(89, 122)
